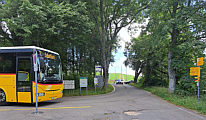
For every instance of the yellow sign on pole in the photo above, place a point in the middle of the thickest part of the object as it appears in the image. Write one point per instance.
(195, 71)
(200, 61)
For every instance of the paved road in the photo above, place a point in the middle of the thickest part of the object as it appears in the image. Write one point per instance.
(126, 103)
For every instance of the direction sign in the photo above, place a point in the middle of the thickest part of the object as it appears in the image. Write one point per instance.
(35, 61)
(98, 68)
(68, 84)
(95, 81)
(83, 82)
(200, 61)
(195, 71)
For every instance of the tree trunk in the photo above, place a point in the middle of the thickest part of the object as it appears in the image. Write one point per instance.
(73, 64)
(171, 73)
(174, 35)
(137, 71)
(137, 75)
(147, 80)
(103, 41)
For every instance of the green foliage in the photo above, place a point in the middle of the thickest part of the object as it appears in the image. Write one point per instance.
(136, 85)
(152, 56)
(139, 83)
(176, 27)
(75, 30)
(186, 86)
(58, 26)
(110, 17)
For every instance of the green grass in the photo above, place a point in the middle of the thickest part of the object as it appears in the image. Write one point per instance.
(135, 85)
(113, 77)
(90, 91)
(189, 102)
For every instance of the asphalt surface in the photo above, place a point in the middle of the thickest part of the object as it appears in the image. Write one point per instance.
(126, 103)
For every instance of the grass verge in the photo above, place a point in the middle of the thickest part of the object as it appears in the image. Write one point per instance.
(90, 91)
(115, 76)
(189, 102)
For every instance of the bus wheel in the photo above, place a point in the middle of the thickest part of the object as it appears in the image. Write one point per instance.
(2, 98)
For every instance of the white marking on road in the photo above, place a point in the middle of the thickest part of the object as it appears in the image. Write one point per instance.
(44, 108)
(132, 113)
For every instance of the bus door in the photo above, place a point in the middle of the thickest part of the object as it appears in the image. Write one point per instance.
(24, 65)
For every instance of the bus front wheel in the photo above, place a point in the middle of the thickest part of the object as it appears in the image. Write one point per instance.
(2, 98)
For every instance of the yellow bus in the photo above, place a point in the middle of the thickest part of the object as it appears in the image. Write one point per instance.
(17, 76)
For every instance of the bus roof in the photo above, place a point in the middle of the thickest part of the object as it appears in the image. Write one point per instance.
(27, 47)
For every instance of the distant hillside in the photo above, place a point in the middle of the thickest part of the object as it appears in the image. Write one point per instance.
(113, 77)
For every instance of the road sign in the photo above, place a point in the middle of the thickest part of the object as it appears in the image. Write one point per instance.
(68, 84)
(35, 61)
(195, 71)
(197, 79)
(35, 69)
(83, 82)
(200, 61)
(95, 81)
(98, 68)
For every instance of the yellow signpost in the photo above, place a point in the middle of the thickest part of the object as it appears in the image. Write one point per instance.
(195, 71)
(197, 79)
(200, 61)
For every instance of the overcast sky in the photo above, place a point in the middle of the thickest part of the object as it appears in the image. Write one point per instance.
(119, 58)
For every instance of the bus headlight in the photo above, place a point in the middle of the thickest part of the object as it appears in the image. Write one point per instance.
(41, 94)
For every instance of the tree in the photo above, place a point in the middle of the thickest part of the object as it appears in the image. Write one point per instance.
(175, 20)
(147, 56)
(109, 18)
(49, 24)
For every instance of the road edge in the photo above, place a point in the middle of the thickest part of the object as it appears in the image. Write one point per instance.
(190, 111)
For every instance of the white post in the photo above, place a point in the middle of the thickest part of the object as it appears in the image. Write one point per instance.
(121, 72)
(126, 72)
(36, 91)
(35, 69)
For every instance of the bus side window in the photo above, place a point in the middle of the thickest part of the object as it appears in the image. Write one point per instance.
(23, 76)
(24, 67)
(7, 63)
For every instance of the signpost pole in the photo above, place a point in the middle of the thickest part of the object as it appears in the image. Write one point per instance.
(95, 84)
(35, 70)
(95, 87)
(80, 90)
(198, 94)
(195, 71)
(199, 63)
(87, 90)
(36, 91)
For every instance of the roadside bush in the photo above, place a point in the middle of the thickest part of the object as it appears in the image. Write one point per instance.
(186, 86)
(140, 81)
(203, 97)
(203, 80)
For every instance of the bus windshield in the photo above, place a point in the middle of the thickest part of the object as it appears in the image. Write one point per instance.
(50, 69)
